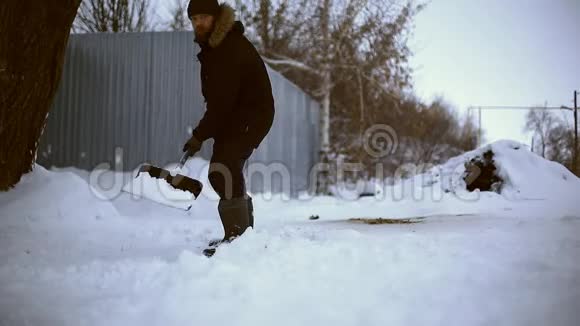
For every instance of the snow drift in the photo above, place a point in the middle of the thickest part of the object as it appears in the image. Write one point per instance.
(43, 193)
(524, 174)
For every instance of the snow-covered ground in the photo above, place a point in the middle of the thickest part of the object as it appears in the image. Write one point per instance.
(70, 258)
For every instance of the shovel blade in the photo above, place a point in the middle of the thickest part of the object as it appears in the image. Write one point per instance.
(155, 172)
(184, 183)
(178, 181)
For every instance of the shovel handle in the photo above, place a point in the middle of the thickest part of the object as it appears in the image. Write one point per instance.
(184, 158)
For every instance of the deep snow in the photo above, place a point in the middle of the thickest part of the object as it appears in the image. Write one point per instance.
(70, 258)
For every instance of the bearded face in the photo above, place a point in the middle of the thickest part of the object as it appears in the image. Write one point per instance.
(203, 26)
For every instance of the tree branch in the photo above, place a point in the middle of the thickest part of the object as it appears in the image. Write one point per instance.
(293, 63)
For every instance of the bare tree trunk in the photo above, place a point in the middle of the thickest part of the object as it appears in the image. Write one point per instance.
(326, 77)
(543, 146)
(264, 28)
(326, 93)
(179, 20)
(325, 116)
(33, 40)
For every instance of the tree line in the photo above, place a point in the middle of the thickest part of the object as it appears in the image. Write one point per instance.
(552, 136)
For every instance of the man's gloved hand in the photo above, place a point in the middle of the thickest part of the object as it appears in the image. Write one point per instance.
(192, 146)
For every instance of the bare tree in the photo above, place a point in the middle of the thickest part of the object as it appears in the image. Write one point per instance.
(540, 121)
(179, 20)
(113, 16)
(560, 144)
(347, 53)
(33, 40)
(436, 133)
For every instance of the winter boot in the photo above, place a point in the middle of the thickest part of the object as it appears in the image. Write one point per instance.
(217, 242)
(234, 214)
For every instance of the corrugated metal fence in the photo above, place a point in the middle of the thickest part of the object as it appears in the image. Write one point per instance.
(130, 98)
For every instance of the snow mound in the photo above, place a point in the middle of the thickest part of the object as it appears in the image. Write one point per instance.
(44, 193)
(525, 174)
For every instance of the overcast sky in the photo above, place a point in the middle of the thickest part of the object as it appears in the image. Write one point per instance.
(499, 52)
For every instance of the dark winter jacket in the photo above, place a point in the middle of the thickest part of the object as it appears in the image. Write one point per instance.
(235, 85)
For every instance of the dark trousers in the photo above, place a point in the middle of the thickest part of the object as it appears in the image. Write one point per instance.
(226, 170)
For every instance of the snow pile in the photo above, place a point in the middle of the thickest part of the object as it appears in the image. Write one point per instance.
(525, 175)
(528, 175)
(43, 193)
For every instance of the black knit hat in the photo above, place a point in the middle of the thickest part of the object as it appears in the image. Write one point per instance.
(209, 7)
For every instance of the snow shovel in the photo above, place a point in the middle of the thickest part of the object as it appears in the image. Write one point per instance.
(175, 191)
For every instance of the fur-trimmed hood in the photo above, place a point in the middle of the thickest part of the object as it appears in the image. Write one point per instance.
(225, 22)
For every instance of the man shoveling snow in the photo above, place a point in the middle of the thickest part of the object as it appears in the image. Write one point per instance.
(240, 109)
